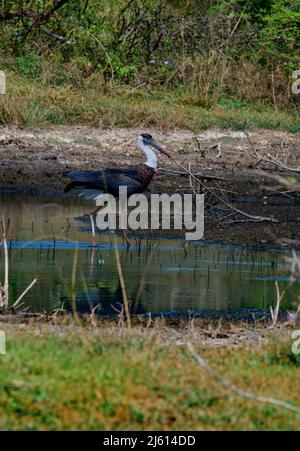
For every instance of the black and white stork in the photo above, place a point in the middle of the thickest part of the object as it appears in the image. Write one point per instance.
(91, 184)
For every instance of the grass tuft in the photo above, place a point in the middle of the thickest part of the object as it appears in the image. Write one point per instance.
(33, 103)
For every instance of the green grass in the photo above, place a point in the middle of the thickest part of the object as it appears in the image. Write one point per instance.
(127, 381)
(32, 103)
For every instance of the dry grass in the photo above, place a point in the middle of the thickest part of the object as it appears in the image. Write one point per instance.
(32, 103)
(215, 76)
(137, 381)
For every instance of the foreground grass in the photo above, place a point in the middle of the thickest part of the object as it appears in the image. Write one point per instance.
(35, 104)
(132, 381)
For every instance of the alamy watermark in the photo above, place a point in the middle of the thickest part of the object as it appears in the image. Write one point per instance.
(2, 342)
(154, 212)
(296, 343)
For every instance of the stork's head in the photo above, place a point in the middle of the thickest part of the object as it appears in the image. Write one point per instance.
(148, 140)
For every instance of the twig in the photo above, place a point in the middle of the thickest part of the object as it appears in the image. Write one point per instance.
(73, 284)
(123, 288)
(15, 304)
(199, 174)
(294, 263)
(273, 91)
(93, 230)
(202, 151)
(93, 310)
(83, 337)
(279, 164)
(270, 159)
(191, 181)
(106, 54)
(237, 390)
(5, 290)
(224, 202)
(275, 312)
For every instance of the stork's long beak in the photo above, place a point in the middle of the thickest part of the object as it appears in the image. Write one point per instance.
(158, 147)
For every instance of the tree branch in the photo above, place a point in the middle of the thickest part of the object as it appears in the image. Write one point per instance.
(238, 391)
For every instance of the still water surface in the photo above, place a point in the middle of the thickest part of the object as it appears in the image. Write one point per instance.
(50, 242)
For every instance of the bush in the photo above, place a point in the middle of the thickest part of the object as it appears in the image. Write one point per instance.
(199, 44)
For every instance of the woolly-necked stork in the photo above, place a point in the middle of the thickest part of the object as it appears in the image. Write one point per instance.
(91, 184)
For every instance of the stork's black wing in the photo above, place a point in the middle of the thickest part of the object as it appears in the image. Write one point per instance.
(90, 184)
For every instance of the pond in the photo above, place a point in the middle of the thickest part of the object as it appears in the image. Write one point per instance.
(50, 241)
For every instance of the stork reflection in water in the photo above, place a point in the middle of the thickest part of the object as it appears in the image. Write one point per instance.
(91, 184)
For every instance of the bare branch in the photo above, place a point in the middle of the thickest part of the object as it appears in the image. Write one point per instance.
(270, 159)
(224, 202)
(237, 390)
(199, 174)
(37, 18)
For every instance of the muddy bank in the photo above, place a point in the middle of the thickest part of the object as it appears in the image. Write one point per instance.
(35, 161)
(208, 332)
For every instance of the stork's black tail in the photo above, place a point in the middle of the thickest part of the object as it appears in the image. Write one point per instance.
(84, 184)
(74, 185)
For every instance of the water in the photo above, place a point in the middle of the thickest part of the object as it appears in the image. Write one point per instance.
(49, 242)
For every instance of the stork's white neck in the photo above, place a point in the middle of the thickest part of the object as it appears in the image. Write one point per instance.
(150, 154)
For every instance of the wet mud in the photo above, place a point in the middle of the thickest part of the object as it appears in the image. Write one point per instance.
(36, 162)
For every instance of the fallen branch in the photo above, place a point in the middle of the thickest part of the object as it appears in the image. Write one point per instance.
(270, 159)
(279, 164)
(237, 390)
(199, 174)
(220, 199)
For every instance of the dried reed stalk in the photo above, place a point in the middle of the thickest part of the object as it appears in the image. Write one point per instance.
(4, 290)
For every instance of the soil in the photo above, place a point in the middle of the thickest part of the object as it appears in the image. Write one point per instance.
(208, 332)
(36, 161)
